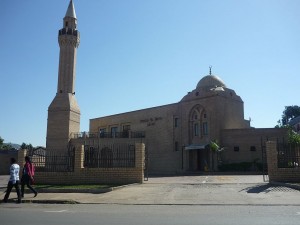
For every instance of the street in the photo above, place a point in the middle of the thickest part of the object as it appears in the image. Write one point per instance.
(113, 214)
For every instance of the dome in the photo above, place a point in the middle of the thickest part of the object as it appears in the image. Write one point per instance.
(210, 81)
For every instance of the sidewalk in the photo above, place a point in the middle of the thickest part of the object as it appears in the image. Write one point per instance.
(183, 190)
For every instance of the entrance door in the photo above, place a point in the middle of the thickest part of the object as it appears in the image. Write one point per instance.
(203, 159)
(198, 159)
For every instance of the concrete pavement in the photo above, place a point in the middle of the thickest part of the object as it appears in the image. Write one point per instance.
(182, 190)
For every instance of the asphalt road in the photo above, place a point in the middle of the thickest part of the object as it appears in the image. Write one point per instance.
(38, 214)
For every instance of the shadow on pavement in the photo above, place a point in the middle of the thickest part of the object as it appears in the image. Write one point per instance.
(266, 188)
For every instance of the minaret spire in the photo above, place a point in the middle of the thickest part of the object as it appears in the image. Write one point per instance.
(71, 10)
(68, 38)
(64, 112)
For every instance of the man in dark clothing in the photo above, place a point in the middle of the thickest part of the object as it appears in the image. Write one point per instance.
(14, 180)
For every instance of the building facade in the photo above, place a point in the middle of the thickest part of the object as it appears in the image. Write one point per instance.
(178, 135)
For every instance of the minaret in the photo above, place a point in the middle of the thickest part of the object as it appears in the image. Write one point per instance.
(64, 112)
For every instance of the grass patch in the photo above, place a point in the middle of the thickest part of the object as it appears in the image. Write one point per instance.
(79, 186)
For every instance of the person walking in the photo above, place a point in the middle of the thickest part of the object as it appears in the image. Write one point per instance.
(13, 180)
(27, 177)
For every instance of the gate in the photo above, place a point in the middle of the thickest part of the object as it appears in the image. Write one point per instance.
(288, 155)
(52, 161)
(146, 161)
(111, 155)
(264, 160)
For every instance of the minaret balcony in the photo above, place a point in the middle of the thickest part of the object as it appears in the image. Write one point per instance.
(69, 31)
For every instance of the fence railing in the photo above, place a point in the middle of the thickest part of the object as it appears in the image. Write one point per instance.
(288, 155)
(109, 156)
(123, 134)
(53, 161)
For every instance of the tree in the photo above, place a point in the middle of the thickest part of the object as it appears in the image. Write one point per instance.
(1, 142)
(289, 113)
(7, 147)
(4, 146)
(26, 146)
(293, 137)
(23, 146)
(215, 149)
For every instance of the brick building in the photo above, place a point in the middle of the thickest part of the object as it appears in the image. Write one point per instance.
(178, 135)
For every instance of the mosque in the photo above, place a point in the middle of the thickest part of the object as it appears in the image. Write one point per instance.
(177, 136)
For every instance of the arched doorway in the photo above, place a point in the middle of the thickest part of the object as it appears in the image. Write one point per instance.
(197, 150)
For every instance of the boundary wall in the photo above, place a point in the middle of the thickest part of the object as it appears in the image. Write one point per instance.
(82, 175)
(5, 156)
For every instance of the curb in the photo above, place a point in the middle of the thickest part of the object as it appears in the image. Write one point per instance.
(66, 201)
(91, 191)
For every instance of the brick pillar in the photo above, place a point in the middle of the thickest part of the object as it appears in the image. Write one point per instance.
(21, 157)
(21, 160)
(140, 159)
(271, 150)
(79, 158)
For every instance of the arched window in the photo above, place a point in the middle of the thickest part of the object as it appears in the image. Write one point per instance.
(195, 119)
(204, 123)
(198, 121)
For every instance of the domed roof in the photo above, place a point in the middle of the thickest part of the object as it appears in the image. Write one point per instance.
(210, 81)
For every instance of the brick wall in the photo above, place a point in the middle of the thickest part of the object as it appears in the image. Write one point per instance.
(5, 156)
(245, 140)
(279, 174)
(83, 175)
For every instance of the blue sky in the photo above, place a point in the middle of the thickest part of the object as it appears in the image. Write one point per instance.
(137, 54)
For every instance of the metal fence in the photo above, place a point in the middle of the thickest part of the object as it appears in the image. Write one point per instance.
(288, 155)
(123, 134)
(53, 161)
(109, 156)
